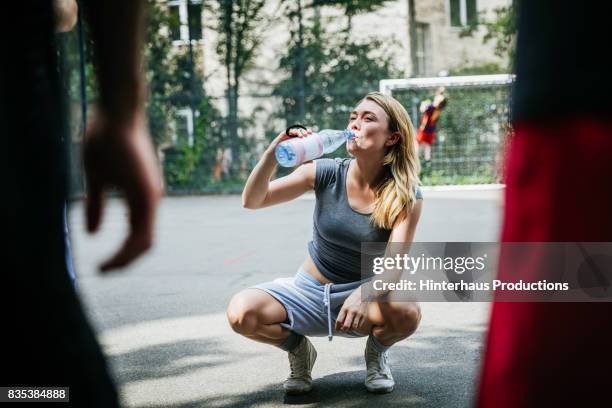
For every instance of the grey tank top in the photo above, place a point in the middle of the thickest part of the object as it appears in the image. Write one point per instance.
(338, 229)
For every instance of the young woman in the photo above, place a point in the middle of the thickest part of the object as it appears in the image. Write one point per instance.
(371, 198)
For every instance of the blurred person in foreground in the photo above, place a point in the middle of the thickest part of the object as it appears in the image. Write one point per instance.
(558, 189)
(47, 340)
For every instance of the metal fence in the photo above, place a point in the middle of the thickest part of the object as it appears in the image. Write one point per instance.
(471, 135)
(473, 128)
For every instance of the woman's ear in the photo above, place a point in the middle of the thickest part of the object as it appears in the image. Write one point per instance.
(393, 139)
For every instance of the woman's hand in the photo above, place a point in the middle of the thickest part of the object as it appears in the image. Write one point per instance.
(283, 136)
(353, 313)
(260, 192)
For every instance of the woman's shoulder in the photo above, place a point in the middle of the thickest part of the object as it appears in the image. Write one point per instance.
(327, 171)
(338, 160)
(333, 162)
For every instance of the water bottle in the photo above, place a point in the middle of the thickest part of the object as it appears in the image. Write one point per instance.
(298, 150)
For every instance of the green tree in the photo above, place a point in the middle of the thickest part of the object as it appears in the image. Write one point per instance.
(352, 7)
(190, 168)
(175, 82)
(337, 71)
(160, 73)
(240, 25)
(480, 69)
(501, 29)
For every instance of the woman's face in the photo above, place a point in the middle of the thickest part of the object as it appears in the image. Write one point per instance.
(370, 124)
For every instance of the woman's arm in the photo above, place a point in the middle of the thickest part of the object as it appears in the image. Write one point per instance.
(399, 243)
(405, 225)
(259, 192)
(353, 311)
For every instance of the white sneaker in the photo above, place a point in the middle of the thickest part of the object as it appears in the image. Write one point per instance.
(301, 361)
(378, 373)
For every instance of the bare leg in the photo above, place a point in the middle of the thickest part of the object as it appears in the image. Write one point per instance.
(257, 315)
(427, 151)
(391, 321)
(387, 323)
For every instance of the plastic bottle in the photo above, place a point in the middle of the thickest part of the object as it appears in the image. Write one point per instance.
(298, 150)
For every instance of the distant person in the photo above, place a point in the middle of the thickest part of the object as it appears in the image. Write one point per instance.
(558, 189)
(426, 134)
(47, 340)
(373, 197)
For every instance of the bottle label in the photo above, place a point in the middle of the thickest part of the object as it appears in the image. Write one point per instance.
(307, 148)
(313, 147)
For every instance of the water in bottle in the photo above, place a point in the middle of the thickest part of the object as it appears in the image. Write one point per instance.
(298, 150)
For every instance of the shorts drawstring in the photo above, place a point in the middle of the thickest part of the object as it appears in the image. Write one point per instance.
(327, 302)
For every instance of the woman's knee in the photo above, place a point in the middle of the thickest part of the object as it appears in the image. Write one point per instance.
(403, 318)
(242, 316)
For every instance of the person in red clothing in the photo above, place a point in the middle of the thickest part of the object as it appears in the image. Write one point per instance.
(426, 133)
(558, 175)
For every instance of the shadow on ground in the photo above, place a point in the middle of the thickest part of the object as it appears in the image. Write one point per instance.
(169, 360)
(437, 369)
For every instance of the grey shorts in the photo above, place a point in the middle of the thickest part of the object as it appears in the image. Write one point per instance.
(312, 307)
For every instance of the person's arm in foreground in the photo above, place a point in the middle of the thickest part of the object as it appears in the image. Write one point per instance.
(354, 310)
(117, 150)
(259, 192)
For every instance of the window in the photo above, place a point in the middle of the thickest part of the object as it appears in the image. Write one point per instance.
(184, 127)
(463, 12)
(185, 19)
(194, 13)
(455, 13)
(472, 12)
(423, 50)
(175, 23)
